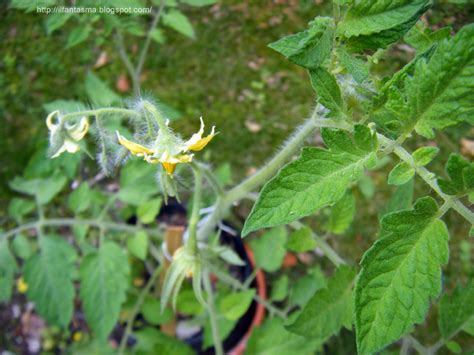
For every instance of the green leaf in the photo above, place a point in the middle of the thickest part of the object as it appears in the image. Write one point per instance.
(366, 186)
(424, 155)
(327, 310)
(461, 176)
(342, 214)
(49, 276)
(455, 311)
(99, 92)
(137, 182)
(179, 22)
(401, 199)
(148, 211)
(318, 178)
(311, 48)
(187, 303)
(358, 68)
(43, 189)
(56, 21)
(454, 347)
(305, 287)
(152, 341)
(151, 311)
(272, 338)
(234, 305)
(104, 280)
(280, 289)
(401, 173)
(440, 92)
(22, 247)
(8, 267)
(80, 199)
(269, 249)
(138, 245)
(157, 35)
(400, 274)
(78, 35)
(19, 207)
(421, 37)
(329, 94)
(375, 24)
(301, 241)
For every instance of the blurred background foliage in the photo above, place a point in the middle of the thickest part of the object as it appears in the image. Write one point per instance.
(215, 64)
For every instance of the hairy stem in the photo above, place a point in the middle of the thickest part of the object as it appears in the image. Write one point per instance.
(213, 315)
(194, 219)
(102, 111)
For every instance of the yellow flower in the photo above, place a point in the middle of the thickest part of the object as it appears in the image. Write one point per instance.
(77, 336)
(21, 285)
(69, 134)
(168, 149)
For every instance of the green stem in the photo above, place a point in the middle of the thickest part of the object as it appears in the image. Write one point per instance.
(429, 178)
(102, 111)
(329, 252)
(65, 222)
(136, 309)
(146, 45)
(194, 219)
(212, 315)
(127, 62)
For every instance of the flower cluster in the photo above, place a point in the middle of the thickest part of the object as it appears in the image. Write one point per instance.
(168, 149)
(64, 135)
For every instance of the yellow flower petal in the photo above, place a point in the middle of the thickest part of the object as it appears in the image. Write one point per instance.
(196, 142)
(21, 285)
(80, 131)
(49, 120)
(169, 167)
(134, 148)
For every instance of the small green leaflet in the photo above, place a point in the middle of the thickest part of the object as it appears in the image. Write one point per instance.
(375, 24)
(235, 304)
(318, 178)
(104, 280)
(8, 267)
(99, 92)
(358, 68)
(269, 249)
(49, 275)
(440, 92)
(342, 214)
(424, 155)
(421, 38)
(137, 245)
(456, 311)
(179, 22)
(271, 338)
(461, 174)
(43, 189)
(80, 199)
(328, 309)
(400, 274)
(301, 240)
(311, 48)
(19, 207)
(401, 174)
(327, 89)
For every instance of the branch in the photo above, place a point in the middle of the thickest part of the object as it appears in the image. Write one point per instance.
(66, 222)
